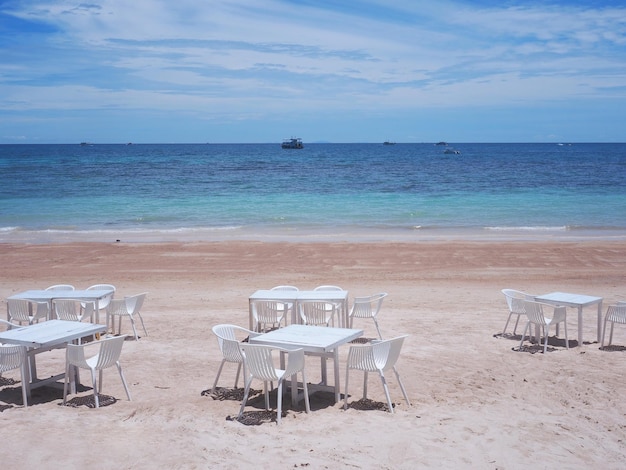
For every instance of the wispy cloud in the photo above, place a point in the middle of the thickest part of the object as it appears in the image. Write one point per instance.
(247, 60)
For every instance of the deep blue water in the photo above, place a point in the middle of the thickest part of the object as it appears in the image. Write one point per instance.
(70, 190)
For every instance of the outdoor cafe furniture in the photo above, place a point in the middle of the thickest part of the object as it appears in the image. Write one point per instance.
(340, 297)
(130, 307)
(368, 307)
(515, 302)
(577, 301)
(229, 338)
(14, 357)
(377, 356)
(28, 311)
(45, 336)
(108, 355)
(317, 340)
(268, 314)
(48, 295)
(614, 314)
(535, 315)
(261, 364)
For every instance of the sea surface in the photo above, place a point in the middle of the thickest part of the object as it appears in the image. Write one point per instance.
(352, 192)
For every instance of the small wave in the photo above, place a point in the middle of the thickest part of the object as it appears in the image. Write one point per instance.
(561, 228)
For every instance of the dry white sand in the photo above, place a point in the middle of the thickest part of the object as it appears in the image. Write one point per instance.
(476, 403)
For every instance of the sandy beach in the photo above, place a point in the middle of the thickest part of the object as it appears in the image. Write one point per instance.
(476, 403)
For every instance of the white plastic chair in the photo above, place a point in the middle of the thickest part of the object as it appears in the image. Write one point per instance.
(268, 314)
(21, 310)
(61, 287)
(127, 307)
(108, 355)
(614, 314)
(286, 306)
(377, 356)
(228, 342)
(515, 301)
(316, 313)
(104, 302)
(337, 306)
(260, 364)
(535, 316)
(14, 357)
(72, 309)
(367, 307)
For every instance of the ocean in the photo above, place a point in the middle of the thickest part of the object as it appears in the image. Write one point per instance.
(324, 192)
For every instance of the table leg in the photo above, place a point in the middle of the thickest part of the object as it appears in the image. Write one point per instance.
(250, 316)
(580, 325)
(599, 331)
(337, 387)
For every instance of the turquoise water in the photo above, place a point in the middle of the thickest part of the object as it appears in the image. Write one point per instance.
(346, 191)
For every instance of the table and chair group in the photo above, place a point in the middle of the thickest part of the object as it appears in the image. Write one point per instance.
(62, 316)
(534, 309)
(287, 325)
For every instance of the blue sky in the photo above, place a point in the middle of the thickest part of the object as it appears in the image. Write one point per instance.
(330, 70)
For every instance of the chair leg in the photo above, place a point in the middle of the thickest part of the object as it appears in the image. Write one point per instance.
(237, 376)
(345, 393)
(94, 385)
(67, 377)
(119, 368)
(566, 338)
(611, 336)
(507, 323)
(279, 401)
(545, 341)
(217, 377)
(377, 328)
(364, 384)
(305, 388)
(142, 323)
(132, 323)
(604, 331)
(521, 343)
(401, 386)
(248, 382)
(386, 388)
(24, 375)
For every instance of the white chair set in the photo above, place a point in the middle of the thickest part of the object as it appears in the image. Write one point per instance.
(261, 362)
(522, 304)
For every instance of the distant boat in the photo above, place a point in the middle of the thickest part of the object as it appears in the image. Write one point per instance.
(451, 151)
(293, 143)
(387, 142)
(442, 143)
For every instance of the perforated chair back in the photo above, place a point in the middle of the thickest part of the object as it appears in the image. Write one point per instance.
(14, 357)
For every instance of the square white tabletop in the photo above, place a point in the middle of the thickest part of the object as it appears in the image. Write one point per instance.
(50, 333)
(320, 339)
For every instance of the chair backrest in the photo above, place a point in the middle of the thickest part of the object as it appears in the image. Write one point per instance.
(109, 352)
(268, 311)
(261, 361)
(11, 357)
(117, 307)
(26, 310)
(534, 312)
(616, 313)
(331, 288)
(290, 288)
(67, 309)
(228, 342)
(315, 313)
(135, 302)
(378, 355)
(367, 307)
(515, 300)
(61, 287)
(102, 303)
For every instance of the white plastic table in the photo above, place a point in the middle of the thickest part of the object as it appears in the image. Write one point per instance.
(336, 296)
(46, 336)
(578, 301)
(86, 295)
(319, 340)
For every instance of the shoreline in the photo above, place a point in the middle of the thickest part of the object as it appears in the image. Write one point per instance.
(314, 235)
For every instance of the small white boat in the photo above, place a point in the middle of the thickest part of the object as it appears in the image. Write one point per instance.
(293, 143)
(452, 151)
